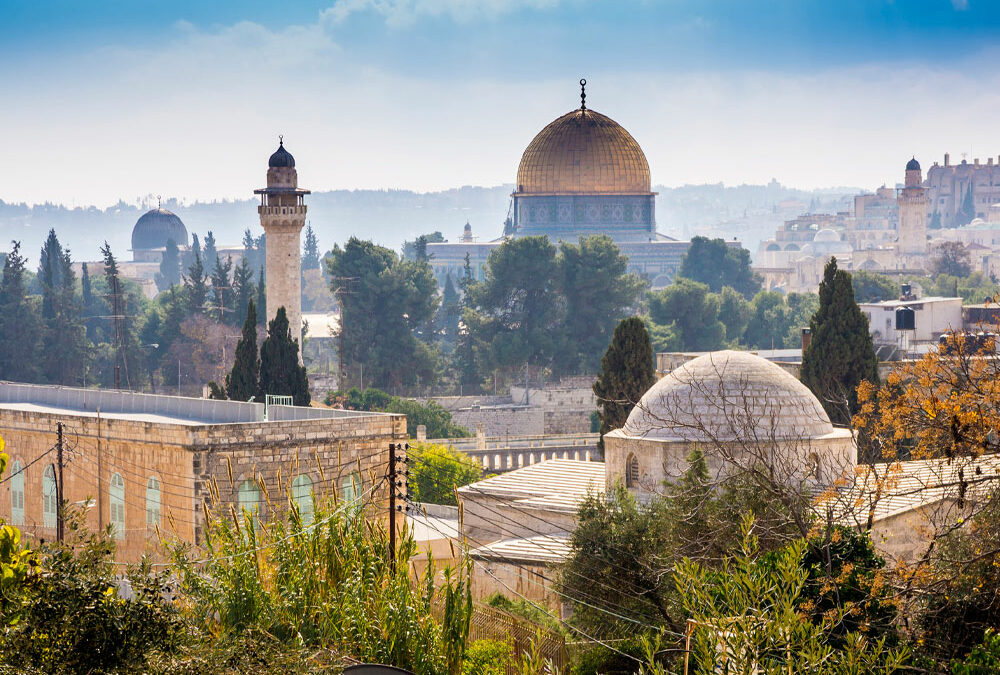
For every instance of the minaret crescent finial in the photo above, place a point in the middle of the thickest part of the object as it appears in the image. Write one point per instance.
(583, 94)
(281, 139)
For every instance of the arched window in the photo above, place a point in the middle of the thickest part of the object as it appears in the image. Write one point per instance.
(117, 504)
(632, 471)
(302, 496)
(350, 490)
(49, 505)
(153, 502)
(16, 494)
(249, 496)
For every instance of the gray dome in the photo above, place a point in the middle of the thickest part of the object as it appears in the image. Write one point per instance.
(726, 396)
(155, 227)
(912, 165)
(281, 157)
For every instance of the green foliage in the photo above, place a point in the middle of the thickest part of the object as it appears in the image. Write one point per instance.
(170, 267)
(20, 323)
(747, 618)
(328, 586)
(431, 414)
(951, 258)
(436, 471)
(310, 250)
(450, 312)
(734, 312)
(627, 371)
(222, 292)
(983, 659)
(280, 372)
(873, 287)
(64, 340)
(691, 311)
(388, 307)
(79, 615)
(841, 354)
(196, 283)
(769, 322)
(716, 264)
(242, 381)
(514, 315)
(597, 292)
(527, 610)
(17, 564)
(488, 657)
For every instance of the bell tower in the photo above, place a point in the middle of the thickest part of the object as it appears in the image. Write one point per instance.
(912, 201)
(282, 215)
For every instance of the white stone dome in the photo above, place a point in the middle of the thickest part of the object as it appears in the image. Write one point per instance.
(827, 235)
(726, 396)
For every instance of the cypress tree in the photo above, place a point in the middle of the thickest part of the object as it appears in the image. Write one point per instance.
(280, 372)
(261, 297)
(627, 371)
(170, 267)
(242, 380)
(19, 324)
(209, 253)
(310, 250)
(197, 283)
(243, 290)
(841, 353)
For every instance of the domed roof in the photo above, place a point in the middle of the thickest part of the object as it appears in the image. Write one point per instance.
(726, 396)
(281, 157)
(827, 234)
(155, 227)
(912, 165)
(583, 152)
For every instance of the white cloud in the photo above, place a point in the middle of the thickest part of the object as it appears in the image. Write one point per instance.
(960, 5)
(399, 13)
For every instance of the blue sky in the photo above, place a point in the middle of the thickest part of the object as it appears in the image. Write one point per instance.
(125, 98)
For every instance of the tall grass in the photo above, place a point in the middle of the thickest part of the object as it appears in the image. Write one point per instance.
(328, 585)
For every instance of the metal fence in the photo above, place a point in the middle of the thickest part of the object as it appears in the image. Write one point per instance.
(490, 623)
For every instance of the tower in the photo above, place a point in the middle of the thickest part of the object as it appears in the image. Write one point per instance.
(912, 201)
(282, 214)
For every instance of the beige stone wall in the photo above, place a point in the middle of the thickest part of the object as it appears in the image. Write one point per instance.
(284, 263)
(186, 460)
(530, 581)
(487, 519)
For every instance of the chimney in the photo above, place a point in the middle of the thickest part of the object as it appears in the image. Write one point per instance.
(989, 162)
(976, 161)
(947, 159)
(807, 339)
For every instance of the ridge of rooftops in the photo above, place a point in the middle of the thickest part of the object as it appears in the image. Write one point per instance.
(158, 408)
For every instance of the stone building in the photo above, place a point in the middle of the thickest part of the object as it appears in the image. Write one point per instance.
(282, 213)
(912, 199)
(949, 187)
(147, 465)
(582, 174)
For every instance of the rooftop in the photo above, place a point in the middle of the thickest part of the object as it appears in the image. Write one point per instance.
(908, 303)
(552, 485)
(542, 549)
(156, 408)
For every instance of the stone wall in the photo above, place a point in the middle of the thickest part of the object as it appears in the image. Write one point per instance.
(190, 462)
(502, 420)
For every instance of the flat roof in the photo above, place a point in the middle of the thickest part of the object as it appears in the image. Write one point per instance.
(906, 303)
(540, 549)
(552, 485)
(155, 408)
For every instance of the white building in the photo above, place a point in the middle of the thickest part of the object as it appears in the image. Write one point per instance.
(932, 317)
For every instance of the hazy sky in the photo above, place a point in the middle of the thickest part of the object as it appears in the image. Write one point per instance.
(108, 100)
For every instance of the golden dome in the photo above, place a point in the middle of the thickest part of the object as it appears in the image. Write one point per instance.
(583, 152)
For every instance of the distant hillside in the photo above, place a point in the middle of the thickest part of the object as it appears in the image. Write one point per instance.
(391, 216)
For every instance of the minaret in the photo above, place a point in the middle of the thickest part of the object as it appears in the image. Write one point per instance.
(912, 201)
(282, 214)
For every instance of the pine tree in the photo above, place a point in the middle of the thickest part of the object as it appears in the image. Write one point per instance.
(170, 267)
(968, 209)
(310, 250)
(197, 285)
(261, 298)
(450, 311)
(222, 289)
(242, 382)
(627, 371)
(64, 337)
(280, 372)
(19, 325)
(243, 290)
(209, 253)
(250, 250)
(841, 353)
(195, 249)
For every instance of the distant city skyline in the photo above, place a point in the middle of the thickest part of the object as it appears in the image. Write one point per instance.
(115, 100)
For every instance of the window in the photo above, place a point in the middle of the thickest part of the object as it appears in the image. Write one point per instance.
(16, 494)
(249, 496)
(350, 490)
(302, 496)
(632, 472)
(117, 506)
(153, 502)
(49, 505)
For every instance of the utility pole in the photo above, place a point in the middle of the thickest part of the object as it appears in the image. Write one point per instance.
(59, 485)
(392, 508)
(394, 483)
